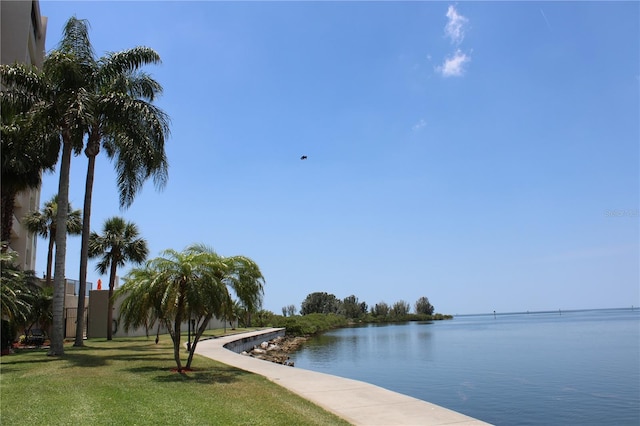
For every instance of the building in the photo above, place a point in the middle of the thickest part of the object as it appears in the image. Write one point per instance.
(22, 40)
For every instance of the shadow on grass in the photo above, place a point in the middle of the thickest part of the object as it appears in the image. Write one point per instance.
(115, 345)
(79, 359)
(31, 357)
(206, 377)
(91, 355)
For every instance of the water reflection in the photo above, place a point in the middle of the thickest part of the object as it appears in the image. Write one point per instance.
(359, 351)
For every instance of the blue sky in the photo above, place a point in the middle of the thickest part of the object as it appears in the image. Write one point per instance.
(482, 154)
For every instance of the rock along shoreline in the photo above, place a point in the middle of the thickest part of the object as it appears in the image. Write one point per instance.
(277, 350)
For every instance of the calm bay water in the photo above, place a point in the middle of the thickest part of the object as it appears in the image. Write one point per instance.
(554, 368)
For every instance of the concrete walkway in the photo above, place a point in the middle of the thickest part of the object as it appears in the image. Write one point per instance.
(357, 402)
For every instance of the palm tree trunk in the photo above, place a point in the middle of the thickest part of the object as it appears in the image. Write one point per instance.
(57, 331)
(176, 340)
(112, 283)
(93, 148)
(177, 325)
(196, 338)
(52, 241)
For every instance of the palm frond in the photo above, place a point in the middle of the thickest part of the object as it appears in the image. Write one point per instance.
(75, 40)
(126, 61)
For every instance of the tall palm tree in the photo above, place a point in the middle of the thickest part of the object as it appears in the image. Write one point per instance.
(189, 285)
(59, 99)
(43, 222)
(119, 243)
(131, 129)
(63, 99)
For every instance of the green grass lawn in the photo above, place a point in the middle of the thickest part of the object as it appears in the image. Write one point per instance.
(128, 381)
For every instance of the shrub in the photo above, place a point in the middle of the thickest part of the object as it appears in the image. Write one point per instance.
(301, 325)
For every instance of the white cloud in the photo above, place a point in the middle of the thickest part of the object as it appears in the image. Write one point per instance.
(455, 27)
(453, 66)
(419, 125)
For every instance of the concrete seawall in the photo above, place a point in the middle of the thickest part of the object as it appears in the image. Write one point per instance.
(248, 342)
(357, 402)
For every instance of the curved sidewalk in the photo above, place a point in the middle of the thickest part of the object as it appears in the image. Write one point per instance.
(357, 402)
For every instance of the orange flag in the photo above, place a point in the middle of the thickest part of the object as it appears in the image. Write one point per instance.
(99, 284)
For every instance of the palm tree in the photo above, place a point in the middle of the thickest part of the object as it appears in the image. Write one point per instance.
(248, 286)
(139, 308)
(119, 243)
(189, 285)
(131, 129)
(59, 100)
(63, 99)
(44, 224)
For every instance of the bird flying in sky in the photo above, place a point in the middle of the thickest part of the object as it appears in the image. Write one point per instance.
(304, 157)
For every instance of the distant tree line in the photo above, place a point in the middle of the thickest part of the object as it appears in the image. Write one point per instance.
(322, 311)
(351, 308)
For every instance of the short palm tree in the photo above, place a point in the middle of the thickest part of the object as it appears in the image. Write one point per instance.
(43, 223)
(119, 244)
(193, 284)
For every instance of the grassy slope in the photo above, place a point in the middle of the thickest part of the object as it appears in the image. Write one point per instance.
(129, 381)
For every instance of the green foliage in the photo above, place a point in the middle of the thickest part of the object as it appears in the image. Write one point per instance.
(263, 318)
(438, 317)
(320, 303)
(43, 223)
(399, 310)
(118, 244)
(41, 308)
(25, 155)
(423, 306)
(18, 290)
(24, 303)
(380, 310)
(352, 308)
(304, 325)
(192, 284)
